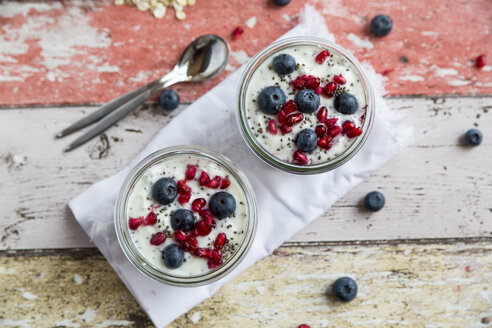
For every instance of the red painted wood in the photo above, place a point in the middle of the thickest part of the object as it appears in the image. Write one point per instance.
(91, 52)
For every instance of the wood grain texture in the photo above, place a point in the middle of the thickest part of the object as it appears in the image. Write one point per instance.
(436, 285)
(435, 188)
(67, 52)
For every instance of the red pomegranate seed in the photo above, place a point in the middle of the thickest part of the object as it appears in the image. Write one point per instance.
(272, 127)
(300, 158)
(289, 107)
(321, 57)
(322, 114)
(481, 61)
(282, 117)
(294, 119)
(183, 189)
(214, 183)
(206, 214)
(320, 130)
(347, 126)
(213, 265)
(329, 89)
(304, 326)
(331, 121)
(190, 244)
(318, 90)
(225, 183)
(204, 179)
(203, 252)
(190, 172)
(202, 228)
(324, 142)
(298, 83)
(158, 238)
(312, 83)
(354, 133)
(238, 31)
(216, 256)
(334, 131)
(150, 219)
(220, 241)
(339, 79)
(198, 204)
(387, 71)
(134, 223)
(468, 268)
(183, 199)
(284, 128)
(179, 236)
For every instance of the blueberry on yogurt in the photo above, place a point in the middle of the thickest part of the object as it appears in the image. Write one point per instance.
(222, 204)
(307, 101)
(165, 191)
(284, 64)
(173, 256)
(182, 219)
(271, 99)
(307, 140)
(346, 103)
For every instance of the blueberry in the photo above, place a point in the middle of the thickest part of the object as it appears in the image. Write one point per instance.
(346, 103)
(381, 25)
(307, 101)
(173, 256)
(165, 191)
(169, 99)
(284, 64)
(374, 201)
(281, 2)
(307, 140)
(271, 99)
(182, 219)
(344, 289)
(473, 137)
(222, 204)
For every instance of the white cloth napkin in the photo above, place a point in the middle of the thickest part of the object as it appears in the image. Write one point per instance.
(210, 121)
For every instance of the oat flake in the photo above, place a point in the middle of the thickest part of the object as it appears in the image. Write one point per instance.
(158, 7)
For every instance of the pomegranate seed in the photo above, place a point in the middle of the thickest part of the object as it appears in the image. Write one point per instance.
(183, 189)
(299, 157)
(216, 256)
(158, 238)
(203, 252)
(347, 126)
(334, 131)
(272, 127)
(481, 61)
(150, 219)
(198, 204)
(206, 214)
(189, 245)
(324, 142)
(183, 199)
(320, 130)
(331, 121)
(321, 57)
(294, 119)
(202, 228)
(468, 268)
(312, 83)
(298, 83)
(387, 71)
(282, 117)
(304, 326)
(225, 183)
(179, 236)
(204, 179)
(213, 265)
(318, 90)
(329, 89)
(354, 133)
(190, 172)
(214, 183)
(339, 79)
(134, 223)
(220, 241)
(321, 114)
(238, 31)
(289, 107)
(284, 128)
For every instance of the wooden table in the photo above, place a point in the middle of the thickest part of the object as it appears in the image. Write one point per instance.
(425, 260)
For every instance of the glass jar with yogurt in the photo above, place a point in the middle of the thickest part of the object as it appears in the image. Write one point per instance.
(185, 216)
(305, 105)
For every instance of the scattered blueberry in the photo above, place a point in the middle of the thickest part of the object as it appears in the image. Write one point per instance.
(473, 137)
(284, 64)
(344, 289)
(381, 25)
(307, 101)
(346, 103)
(182, 219)
(271, 99)
(222, 204)
(169, 99)
(165, 191)
(281, 2)
(374, 201)
(173, 256)
(307, 140)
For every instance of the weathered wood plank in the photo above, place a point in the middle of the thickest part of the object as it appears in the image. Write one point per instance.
(435, 188)
(436, 285)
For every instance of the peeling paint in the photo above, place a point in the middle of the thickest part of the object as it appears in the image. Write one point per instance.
(412, 78)
(358, 42)
(240, 56)
(29, 296)
(251, 22)
(78, 279)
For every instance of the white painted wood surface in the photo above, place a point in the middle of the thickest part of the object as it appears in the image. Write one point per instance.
(435, 188)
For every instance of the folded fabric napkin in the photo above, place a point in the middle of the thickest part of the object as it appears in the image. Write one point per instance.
(308, 196)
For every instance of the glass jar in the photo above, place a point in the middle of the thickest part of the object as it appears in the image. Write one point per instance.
(253, 142)
(136, 257)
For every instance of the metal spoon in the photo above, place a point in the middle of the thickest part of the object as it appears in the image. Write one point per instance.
(204, 58)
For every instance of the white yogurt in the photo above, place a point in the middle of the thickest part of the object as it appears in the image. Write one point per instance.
(140, 203)
(283, 146)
